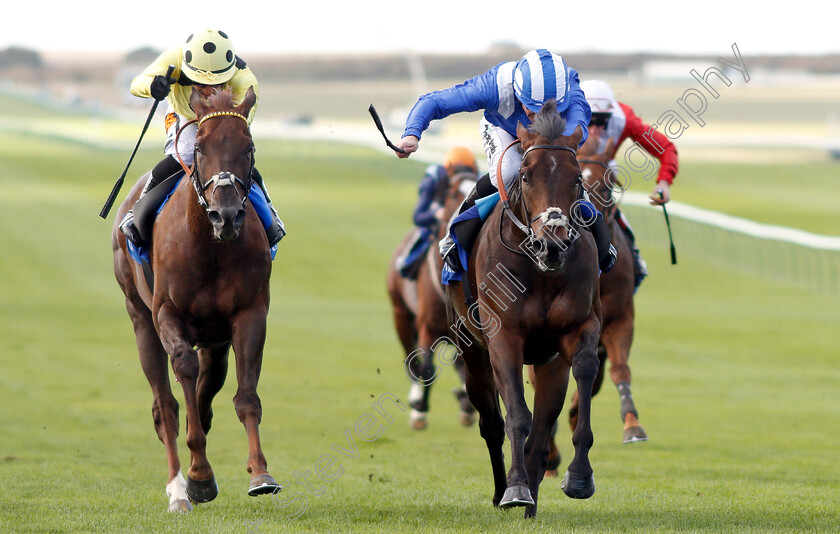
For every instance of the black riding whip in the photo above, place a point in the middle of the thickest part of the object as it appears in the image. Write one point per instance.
(381, 129)
(668, 223)
(117, 186)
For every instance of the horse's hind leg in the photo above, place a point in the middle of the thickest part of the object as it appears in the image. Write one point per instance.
(248, 342)
(201, 483)
(164, 405)
(579, 483)
(551, 381)
(617, 340)
(481, 389)
(213, 366)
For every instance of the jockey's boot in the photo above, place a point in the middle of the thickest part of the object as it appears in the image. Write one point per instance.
(639, 266)
(466, 231)
(163, 170)
(276, 230)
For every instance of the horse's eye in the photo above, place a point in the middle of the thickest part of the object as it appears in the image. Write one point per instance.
(524, 177)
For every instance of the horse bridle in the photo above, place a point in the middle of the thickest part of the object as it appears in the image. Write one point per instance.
(608, 217)
(221, 179)
(506, 209)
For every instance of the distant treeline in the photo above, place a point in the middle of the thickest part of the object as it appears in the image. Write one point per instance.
(454, 66)
(397, 66)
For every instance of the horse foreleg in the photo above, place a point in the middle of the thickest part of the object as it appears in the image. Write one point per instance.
(579, 482)
(248, 343)
(596, 387)
(418, 396)
(617, 340)
(550, 382)
(213, 366)
(506, 356)
(164, 405)
(201, 484)
(481, 389)
(467, 417)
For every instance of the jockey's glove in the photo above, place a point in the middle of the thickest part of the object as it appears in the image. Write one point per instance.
(160, 86)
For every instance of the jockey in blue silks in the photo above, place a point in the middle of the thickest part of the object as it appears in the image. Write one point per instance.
(509, 93)
(429, 212)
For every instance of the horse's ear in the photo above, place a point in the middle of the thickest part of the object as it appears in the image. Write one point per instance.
(522, 132)
(590, 147)
(576, 137)
(608, 150)
(197, 102)
(248, 102)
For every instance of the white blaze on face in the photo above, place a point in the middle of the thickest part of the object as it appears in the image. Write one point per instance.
(562, 220)
(586, 173)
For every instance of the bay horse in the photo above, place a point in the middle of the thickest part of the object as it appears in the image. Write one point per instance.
(617, 287)
(420, 313)
(211, 264)
(553, 324)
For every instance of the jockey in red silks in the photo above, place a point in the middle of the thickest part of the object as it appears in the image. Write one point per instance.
(206, 58)
(616, 121)
(509, 93)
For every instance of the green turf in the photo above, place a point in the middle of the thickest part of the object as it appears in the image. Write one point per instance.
(735, 376)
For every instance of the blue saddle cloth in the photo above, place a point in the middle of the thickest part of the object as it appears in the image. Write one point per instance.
(417, 253)
(482, 209)
(140, 254)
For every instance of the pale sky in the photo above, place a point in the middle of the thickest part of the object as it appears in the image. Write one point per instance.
(321, 26)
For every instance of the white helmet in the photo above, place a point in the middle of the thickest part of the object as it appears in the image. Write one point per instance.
(601, 100)
(539, 76)
(209, 58)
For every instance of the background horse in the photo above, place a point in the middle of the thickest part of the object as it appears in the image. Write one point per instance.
(211, 266)
(617, 287)
(420, 313)
(553, 322)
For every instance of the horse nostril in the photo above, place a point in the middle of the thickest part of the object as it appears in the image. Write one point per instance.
(215, 218)
(539, 246)
(239, 219)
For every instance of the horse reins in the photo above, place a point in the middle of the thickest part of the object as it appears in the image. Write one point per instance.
(220, 180)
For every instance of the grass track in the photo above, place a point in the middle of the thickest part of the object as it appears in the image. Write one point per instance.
(735, 377)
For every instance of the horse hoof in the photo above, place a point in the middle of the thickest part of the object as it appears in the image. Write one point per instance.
(202, 490)
(634, 434)
(418, 420)
(516, 496)
(578, 486)
(467, 419)
(181, 506)
(263, 484)
(551, 473)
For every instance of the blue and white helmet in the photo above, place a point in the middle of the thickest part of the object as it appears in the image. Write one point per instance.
(539, 76)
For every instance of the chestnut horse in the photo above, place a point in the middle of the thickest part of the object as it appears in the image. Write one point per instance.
(211, 264)
(553, 324)
(616, 291)
(420, 313)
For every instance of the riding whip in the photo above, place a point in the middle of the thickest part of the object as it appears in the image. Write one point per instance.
(117, 186)
(381, 129)
(668, 223)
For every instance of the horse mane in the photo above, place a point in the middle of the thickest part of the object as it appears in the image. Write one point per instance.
(548, 123)
(220, 99)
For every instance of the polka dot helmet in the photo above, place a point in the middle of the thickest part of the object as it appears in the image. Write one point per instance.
(209, 58)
